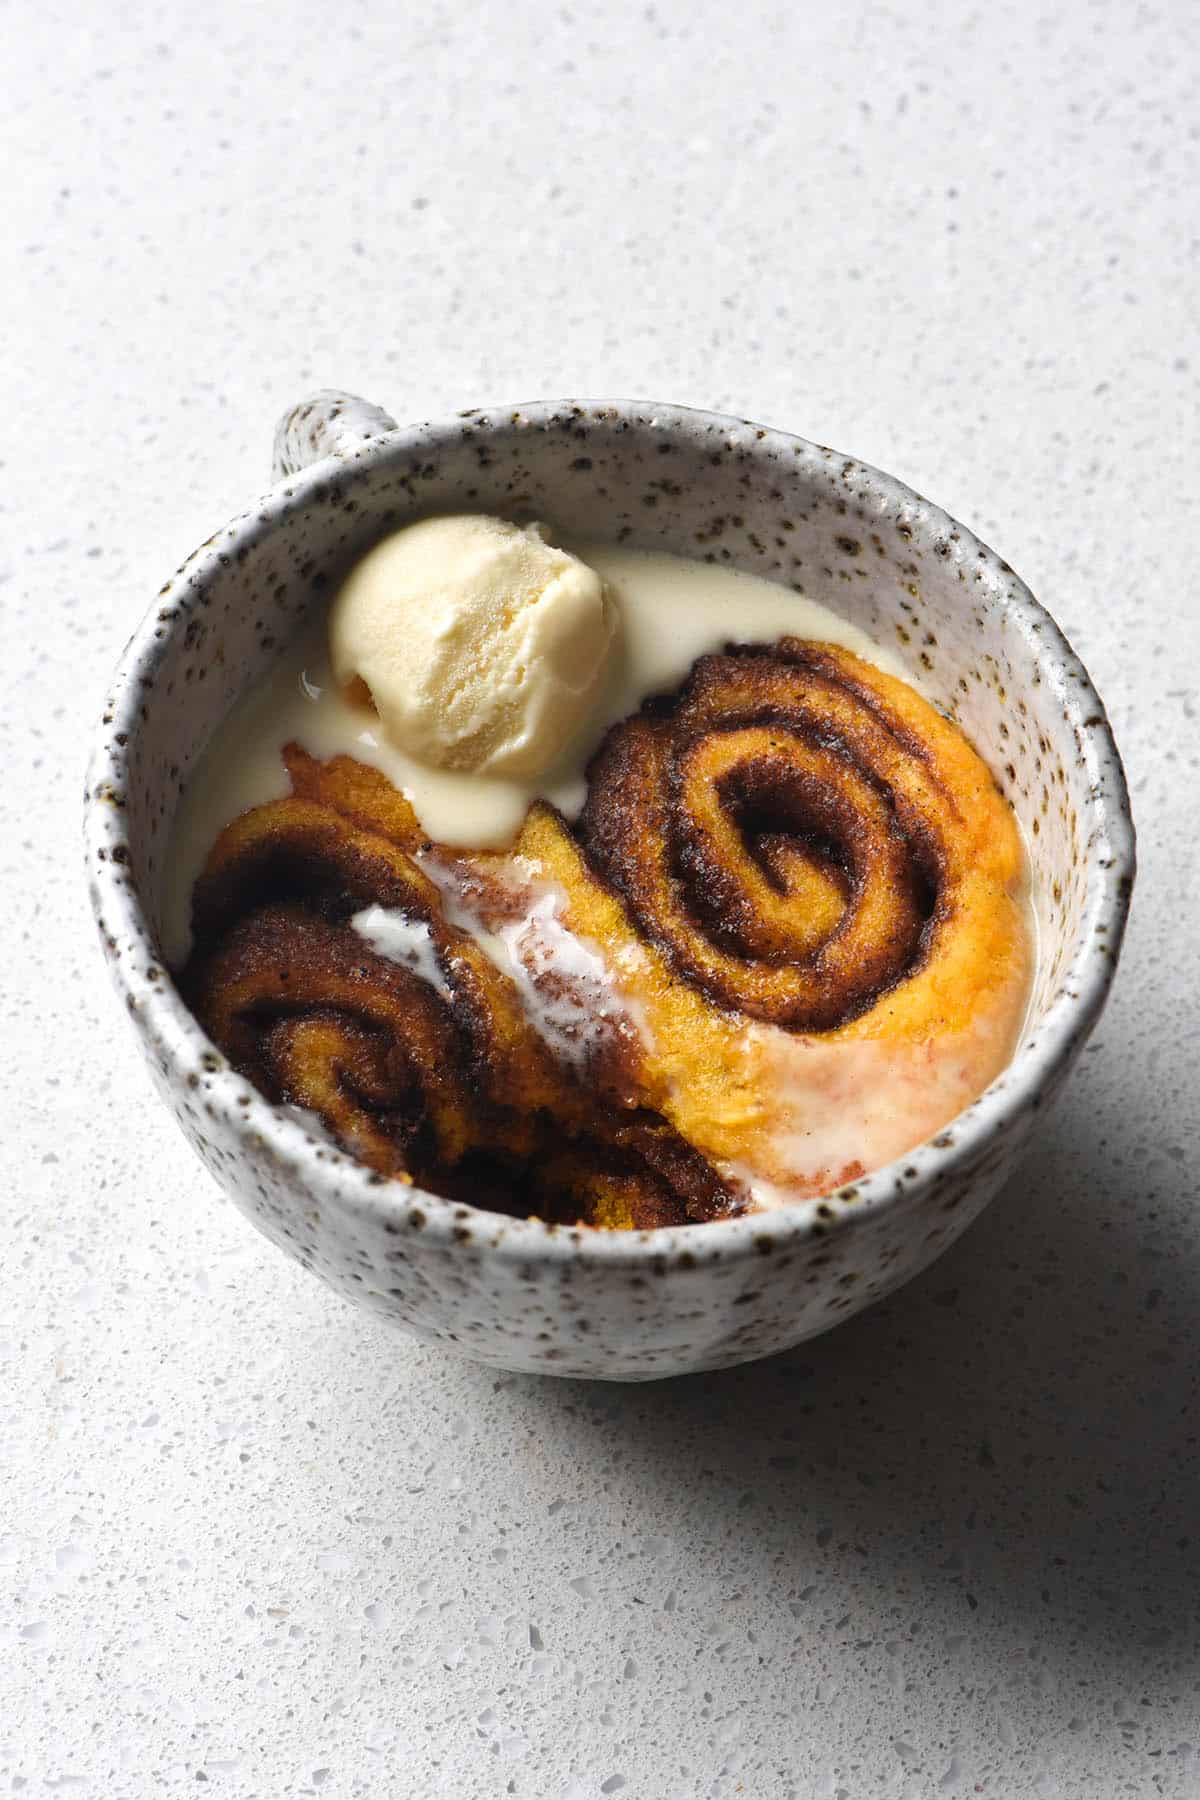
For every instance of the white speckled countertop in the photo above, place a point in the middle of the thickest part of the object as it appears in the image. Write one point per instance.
(251, 1540)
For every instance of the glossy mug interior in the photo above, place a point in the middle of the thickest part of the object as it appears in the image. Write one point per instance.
(518, 1293)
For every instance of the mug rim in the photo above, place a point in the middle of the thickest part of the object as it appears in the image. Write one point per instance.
(161, 1015)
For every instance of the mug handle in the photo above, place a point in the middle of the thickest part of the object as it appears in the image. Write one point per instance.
(329, 423)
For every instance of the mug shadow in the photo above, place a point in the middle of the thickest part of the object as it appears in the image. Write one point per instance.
(1019, 1423)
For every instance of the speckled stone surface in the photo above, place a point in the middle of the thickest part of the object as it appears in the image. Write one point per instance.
(251, 1539)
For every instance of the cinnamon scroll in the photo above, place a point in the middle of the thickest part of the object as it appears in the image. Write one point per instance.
(803, 838)
(431, 1073)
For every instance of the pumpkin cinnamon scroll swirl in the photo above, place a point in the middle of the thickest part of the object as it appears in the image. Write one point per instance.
(783, 943)
(427, 1068)
(809, 843)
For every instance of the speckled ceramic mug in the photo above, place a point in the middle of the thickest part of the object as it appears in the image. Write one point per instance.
(515, 1292)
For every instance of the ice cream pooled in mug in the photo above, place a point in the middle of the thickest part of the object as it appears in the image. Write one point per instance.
(599, 885)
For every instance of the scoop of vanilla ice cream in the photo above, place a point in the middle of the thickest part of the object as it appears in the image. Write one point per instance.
(480, 641)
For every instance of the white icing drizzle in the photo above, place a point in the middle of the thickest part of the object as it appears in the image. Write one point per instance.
(567, 988)
(391, 933)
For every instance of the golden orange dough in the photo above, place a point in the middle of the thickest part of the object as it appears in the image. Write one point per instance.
(357, 792)
(703, 1072)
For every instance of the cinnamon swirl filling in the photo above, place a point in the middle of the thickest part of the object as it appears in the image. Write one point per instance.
(801, 835)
